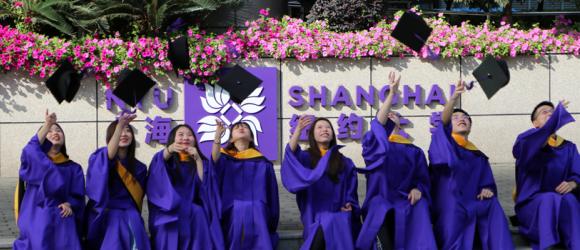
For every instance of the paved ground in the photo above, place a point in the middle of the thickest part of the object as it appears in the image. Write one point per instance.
(289, 214)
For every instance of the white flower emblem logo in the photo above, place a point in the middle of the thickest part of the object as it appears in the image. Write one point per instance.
(217, 102)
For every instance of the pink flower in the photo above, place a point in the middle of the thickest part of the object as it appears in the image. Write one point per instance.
(264, 12)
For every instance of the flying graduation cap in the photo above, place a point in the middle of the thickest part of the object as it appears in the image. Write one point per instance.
(132, 86)
(412, 31)
(178, 53)
(239, 83)
(64, 83)
(492, 74)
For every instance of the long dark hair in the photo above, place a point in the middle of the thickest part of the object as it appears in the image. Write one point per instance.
(63, 147)
(131, 161)
(232, 146)
(175, 156)
(335, 164)
(171, 140)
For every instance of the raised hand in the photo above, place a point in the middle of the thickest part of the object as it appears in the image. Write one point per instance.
(49, 118)
(564, 103)
(460, 89)
(394, 82)
(125, 119)
(303, 122)
(486, 193)
(220, 130)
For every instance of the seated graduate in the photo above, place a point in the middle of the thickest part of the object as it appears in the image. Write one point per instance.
(183, 198)
(547, 171)
(248, 189)
(465, 206)
(396, 207)
(51, 209)
(325, 184)
(115, 187)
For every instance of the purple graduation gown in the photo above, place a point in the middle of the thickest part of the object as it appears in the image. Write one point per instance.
(113, 220)
(320, 199)
(183, 210)
(457, 176)
(47, 186)
(547, 217)
(250, 204)
(393, 169)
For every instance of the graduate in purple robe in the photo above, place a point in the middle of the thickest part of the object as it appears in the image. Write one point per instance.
(325, 184)
(184, 206)
(115, 188)
(466, 211)
(51, 211)
(396, 208)
(248, 188)
(547, 171)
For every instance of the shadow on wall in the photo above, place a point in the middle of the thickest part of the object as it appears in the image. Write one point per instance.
(18, 83)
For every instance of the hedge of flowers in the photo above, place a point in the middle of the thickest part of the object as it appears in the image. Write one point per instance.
(268, 37)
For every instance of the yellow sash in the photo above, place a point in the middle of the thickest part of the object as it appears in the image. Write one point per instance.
(555, 142)
(396, 138)
(463, 143)
(132, 185)
(246, 154)
(21, 185)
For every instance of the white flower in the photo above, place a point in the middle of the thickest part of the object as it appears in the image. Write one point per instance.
(217, 102)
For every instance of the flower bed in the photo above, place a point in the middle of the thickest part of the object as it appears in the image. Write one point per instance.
(268, 37)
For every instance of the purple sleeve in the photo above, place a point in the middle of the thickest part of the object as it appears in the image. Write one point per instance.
(160, 191)
(375, 144)
(296, 176)
(352, 196)
(443, 149)
(422, 175)
(211, 199)
(486, 179)
(273, 200)
(574, 174)
(34, 162)
(529, 143)
(77, 193)
(98, 178)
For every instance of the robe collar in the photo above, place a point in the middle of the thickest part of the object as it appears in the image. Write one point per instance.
(183, 156)
(59, 158)
(246, 154)
(463, 142)
(396, 138)
(555, 142)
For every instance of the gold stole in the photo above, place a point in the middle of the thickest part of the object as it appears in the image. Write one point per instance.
(464, 143)
(21, 185)
(396, 138)
(131, 184)
(183, 156)
(246, 154)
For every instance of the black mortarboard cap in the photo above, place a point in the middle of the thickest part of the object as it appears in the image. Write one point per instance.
(412, 31)
(492, 75)
(239, 83)
(132, 85)
(178, 53)
(64, 83)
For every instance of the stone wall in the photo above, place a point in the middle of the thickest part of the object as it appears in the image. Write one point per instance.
(496, 122)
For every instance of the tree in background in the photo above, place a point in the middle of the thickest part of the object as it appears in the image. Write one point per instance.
(347, 15)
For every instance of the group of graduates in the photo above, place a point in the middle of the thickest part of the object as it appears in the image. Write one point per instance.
(230, 200)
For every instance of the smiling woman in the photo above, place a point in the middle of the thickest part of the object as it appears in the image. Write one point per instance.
(52, 206)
